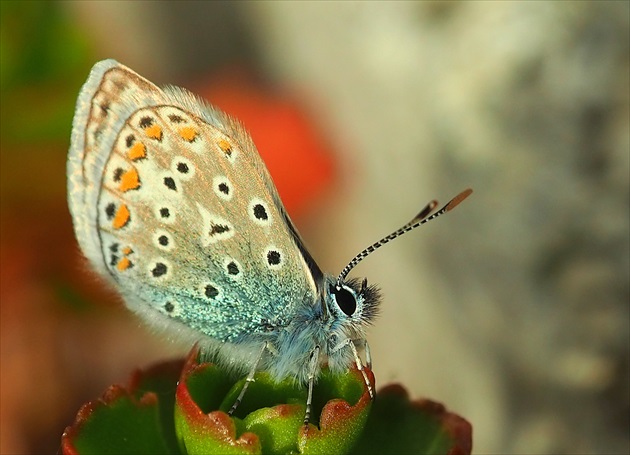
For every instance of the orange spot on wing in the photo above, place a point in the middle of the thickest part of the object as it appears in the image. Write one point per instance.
(123, 264)
(188, 133)
(154, 132)
(225, 146)
(122, 217)
(127, 250)
(137, 151)
(129, 180)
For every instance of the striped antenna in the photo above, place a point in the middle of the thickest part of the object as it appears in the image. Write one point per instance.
(418, 220)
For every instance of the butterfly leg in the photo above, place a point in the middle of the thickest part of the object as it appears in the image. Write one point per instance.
(250, 379)
(368, 356)
(357, 360)
(312, 366)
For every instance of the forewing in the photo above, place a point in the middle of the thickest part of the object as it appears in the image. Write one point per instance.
(170, 199)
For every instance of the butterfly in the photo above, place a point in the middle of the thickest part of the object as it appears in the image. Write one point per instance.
(172, 204)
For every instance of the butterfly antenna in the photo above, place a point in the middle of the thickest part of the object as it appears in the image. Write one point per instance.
(421, 218)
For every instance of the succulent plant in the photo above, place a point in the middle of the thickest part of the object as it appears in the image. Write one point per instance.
(179, 407)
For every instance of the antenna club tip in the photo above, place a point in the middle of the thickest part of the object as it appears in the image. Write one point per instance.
(458, 199)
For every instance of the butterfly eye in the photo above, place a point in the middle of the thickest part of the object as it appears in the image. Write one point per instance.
(345, 300)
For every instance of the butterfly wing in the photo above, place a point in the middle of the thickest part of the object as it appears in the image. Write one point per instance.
(172, 202)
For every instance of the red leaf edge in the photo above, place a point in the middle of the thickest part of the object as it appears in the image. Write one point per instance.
(113, 393)
(457, 427)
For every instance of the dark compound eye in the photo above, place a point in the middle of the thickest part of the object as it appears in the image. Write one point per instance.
(345, 300)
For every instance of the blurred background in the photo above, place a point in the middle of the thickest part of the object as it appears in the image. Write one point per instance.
(513, 310)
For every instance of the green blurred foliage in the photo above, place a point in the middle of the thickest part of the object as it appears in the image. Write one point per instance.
(43, 60)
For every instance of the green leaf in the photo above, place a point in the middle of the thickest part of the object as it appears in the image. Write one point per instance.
(159, 414)
(137, 420)
(398, 426)
(162, 381)
(198, 428)
(270, 418)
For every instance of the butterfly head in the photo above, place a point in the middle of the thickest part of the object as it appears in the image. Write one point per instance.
(350, 303)
(353, 303)
(348, 307)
